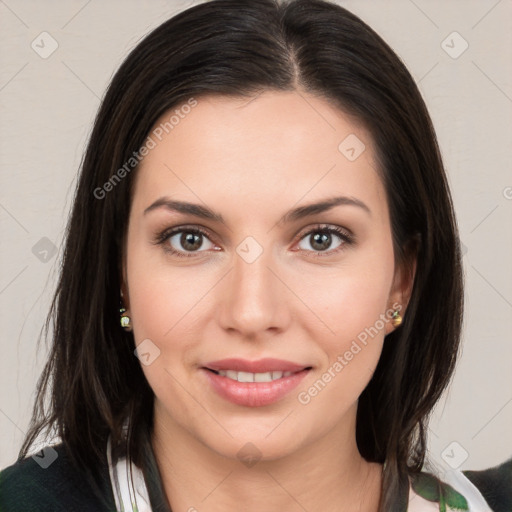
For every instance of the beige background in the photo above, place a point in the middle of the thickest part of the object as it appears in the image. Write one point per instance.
(47, 109)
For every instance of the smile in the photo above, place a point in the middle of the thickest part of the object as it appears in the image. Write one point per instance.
(252, 377)
(254, 383)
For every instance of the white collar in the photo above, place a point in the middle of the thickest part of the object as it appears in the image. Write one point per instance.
(128, 497)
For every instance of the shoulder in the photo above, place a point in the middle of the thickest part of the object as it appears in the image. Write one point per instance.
(495, 485)
(49, 482)
(489, 490)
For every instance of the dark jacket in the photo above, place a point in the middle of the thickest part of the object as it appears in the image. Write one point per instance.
(36, 484)
(29, 486)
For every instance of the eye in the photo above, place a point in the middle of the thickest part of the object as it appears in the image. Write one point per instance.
(186, 242)
(183, 240)
(320, 240)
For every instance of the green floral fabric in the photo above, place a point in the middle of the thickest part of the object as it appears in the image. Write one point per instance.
(493, 484)
(431, 488)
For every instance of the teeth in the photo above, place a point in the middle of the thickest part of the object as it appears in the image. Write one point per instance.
(253, 377)
(245, 377)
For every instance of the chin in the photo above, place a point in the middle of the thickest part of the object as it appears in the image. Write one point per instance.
(250, 449)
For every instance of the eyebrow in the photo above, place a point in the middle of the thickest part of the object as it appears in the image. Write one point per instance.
(301, 212)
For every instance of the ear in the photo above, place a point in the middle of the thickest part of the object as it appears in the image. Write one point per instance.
(403, 280)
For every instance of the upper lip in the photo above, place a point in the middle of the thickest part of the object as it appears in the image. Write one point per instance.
(259, 366)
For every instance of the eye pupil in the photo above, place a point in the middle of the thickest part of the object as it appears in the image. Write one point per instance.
(323, 239)
(191, 241)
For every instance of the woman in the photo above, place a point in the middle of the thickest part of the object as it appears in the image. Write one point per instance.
(264, 202)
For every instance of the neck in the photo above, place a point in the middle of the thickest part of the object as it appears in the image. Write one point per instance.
(328, 474)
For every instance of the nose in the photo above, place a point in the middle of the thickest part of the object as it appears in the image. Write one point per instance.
(254, 299)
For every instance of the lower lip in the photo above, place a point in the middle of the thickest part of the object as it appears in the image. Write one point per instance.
(254, 394)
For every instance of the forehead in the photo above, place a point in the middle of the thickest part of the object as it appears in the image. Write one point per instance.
(277, 146)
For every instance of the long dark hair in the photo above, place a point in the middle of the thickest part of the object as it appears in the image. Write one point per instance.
(241, 48)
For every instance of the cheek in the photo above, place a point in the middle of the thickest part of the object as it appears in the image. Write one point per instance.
(164, 304)
(349, 325)
(166, 310)
(349, 300)
(351, 350)
(163, 295)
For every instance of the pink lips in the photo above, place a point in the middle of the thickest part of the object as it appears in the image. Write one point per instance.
(254, 394)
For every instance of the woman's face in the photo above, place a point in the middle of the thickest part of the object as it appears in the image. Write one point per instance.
(262, 283)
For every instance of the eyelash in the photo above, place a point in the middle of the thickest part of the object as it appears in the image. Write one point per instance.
(345, 236)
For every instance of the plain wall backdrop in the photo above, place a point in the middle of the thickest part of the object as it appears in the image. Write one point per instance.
(57, 58)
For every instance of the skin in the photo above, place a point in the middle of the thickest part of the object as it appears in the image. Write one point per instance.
(252, 161)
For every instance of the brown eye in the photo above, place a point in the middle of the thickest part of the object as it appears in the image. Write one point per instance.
(190, 241)
(184, 242)
(327, 239)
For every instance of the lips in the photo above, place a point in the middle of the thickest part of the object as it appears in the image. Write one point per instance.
(254, 383)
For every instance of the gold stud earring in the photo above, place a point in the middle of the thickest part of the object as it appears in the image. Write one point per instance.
(396, 319)
(126, 321)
